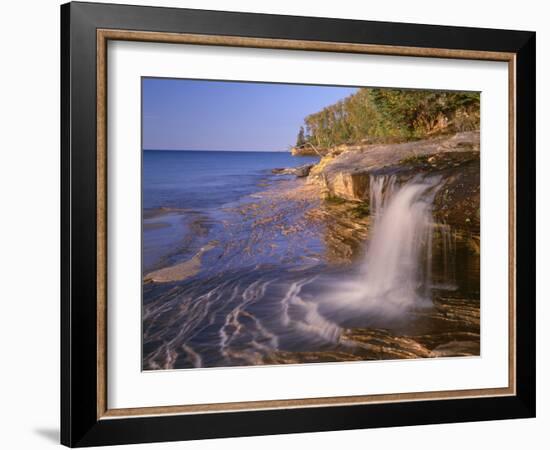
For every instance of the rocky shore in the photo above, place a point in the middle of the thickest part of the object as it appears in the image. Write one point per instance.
(343, 178)
(451, 328)
(345, 173)
(272, 281)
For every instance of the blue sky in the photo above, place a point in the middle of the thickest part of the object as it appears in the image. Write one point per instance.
(220, 115)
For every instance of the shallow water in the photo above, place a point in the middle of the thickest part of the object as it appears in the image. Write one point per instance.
(186, 193)
(267, 286)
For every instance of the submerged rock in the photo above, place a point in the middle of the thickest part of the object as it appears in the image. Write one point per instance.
(180, 271)
(449, 328)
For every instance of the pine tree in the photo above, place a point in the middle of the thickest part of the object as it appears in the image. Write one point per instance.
(301, 140)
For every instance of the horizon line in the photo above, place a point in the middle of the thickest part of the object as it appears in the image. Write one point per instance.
(210, 150)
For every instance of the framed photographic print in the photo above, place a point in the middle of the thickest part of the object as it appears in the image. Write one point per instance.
(277, 224)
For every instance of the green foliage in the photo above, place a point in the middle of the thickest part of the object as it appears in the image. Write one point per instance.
(383, 115)
(357, 210)
(301, 139)
(333, 200)
(415, 160)
(361, 210)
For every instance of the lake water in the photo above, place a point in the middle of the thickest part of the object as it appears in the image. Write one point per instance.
(182, 189)
(251, 282)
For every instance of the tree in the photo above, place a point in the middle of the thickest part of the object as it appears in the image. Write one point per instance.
(301, 140)
(387, 114)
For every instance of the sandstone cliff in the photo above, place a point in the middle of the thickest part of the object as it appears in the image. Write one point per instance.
(346, 171)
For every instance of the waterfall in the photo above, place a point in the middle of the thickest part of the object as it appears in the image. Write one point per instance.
(381, 189)
(407, 256)
(396, 271)
(447, 239)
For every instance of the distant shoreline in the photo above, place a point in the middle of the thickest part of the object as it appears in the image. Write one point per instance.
(215, 151)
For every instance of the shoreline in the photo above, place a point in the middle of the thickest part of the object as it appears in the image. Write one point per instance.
(289, 230)
(343, 210)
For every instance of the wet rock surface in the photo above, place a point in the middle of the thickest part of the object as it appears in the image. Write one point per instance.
(346, 174)
(450, 328)
(254, 290)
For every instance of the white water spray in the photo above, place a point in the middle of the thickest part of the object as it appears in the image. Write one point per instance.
(397, 266)
(396, 272)
(447, 239)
